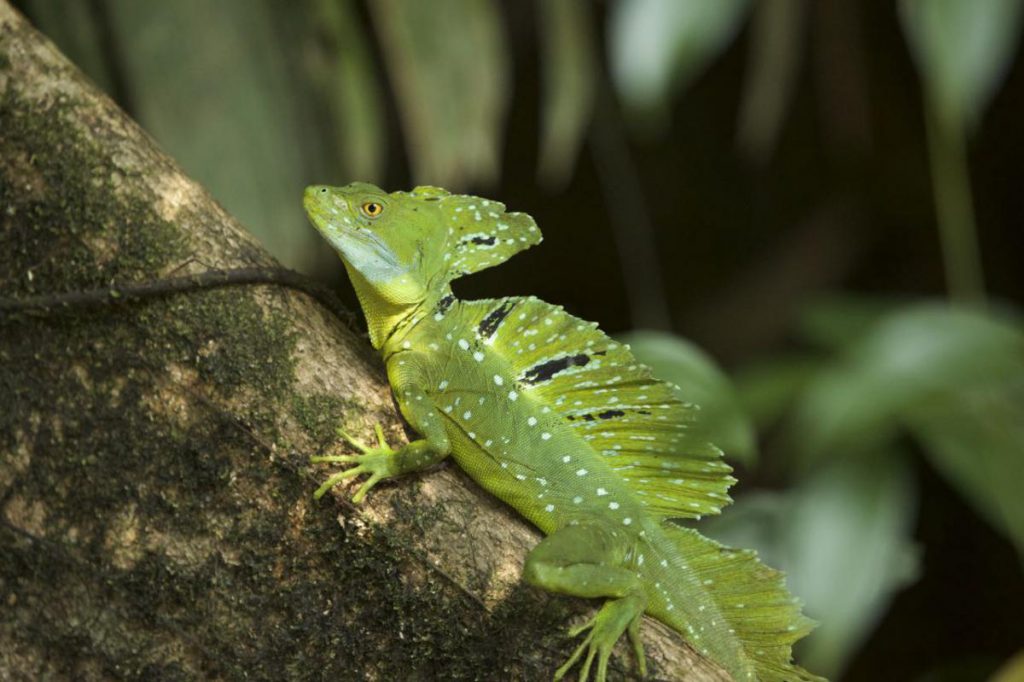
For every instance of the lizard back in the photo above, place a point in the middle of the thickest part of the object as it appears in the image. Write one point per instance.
(581, 402)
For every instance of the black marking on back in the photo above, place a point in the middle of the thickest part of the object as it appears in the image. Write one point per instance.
(609, 414)
(444, 304)
(546, 370)
(490, 323)
(484, 241)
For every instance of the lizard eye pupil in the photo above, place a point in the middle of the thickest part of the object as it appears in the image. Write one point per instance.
(371, 209)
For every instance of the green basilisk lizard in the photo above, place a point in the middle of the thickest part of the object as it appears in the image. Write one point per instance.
(559, 421)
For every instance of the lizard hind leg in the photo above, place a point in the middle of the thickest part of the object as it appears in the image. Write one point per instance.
(590, 560)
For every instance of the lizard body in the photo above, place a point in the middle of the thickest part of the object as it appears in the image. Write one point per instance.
(560, 422)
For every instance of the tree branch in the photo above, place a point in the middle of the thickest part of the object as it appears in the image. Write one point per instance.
(156, 517)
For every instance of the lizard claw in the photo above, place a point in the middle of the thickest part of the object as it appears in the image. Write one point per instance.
(382, 443)
(377, 461)
(615, 618)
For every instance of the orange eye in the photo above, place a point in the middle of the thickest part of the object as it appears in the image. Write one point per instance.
(371, 209)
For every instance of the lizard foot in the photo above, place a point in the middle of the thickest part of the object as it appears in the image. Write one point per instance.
(377, 461)
(615, 618)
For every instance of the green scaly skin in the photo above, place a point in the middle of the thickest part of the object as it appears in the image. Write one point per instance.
(557, 420)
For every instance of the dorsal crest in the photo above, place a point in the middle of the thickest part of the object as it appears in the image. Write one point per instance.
(481, 233)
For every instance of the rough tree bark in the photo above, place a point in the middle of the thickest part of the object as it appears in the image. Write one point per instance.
(155, 512)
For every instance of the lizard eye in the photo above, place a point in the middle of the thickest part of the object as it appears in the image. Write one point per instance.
(371, 209)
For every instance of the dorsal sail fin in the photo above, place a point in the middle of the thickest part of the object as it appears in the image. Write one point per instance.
(481, 233)
(635, 421)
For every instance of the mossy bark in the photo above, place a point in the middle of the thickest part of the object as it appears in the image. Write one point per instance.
(155, 512)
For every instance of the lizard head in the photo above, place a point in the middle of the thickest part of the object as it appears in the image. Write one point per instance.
(385, 238)
(407, 246)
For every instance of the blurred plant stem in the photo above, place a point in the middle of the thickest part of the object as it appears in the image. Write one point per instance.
(777, 43)
(954, 210)
(623, 193)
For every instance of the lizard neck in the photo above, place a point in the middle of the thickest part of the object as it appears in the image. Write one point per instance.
(387, 320)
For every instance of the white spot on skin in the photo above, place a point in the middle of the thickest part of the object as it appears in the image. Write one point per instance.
(613, 505)
(406, 344)
(566, 459)
(577, 499)
(463, 344)
(467, 414)
(498, 381)
(478, 356)
(581, 472)
(545, 436)
(443, 385)
(512, 395)
(601, 492)
(549, 508)
(626, 521)
(532, 421)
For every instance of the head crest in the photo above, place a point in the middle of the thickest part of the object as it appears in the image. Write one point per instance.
(480, 232)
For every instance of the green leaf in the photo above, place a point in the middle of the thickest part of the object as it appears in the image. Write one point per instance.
(767, 389)
(963, 51)
(975, 437)
(1012, 670)
(844, 539)
(701, 382)
(448, 66)
(222, 104)
(658, 47)
(346, 74)
(837, 320)
(569, 65)
(904, 361)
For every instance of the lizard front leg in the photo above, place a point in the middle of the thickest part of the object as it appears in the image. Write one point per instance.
(383, 462)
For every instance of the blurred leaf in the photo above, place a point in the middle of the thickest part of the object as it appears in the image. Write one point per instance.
(220, 102)
(660, 46)
(835, 321)
(975, 437)
(1012, 670)
(767, 389)
(355, 96)
(843, 538)
(772, 68)
(963, 50)
(448, 65)
(701, 382)
(570, 69)
(904, 361)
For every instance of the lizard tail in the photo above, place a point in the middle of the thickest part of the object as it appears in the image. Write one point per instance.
(725, 603)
